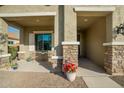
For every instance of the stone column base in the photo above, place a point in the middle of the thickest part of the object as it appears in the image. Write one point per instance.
(70, 51)
(114, 60)
(21, 55)
(4, 62)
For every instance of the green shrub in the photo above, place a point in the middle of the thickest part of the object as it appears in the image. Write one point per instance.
(14, 65)
(13, 51)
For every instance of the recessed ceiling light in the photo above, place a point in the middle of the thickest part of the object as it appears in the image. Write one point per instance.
(85, 20)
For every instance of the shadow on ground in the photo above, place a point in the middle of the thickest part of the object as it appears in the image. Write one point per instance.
(87, 64)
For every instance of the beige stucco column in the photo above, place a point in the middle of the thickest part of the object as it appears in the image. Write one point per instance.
(56, 34)
(70, 44)
(21, 53)
(59, 31)
(21, 40)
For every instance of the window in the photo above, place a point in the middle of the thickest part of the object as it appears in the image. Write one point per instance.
(43, 42)
(10, 42)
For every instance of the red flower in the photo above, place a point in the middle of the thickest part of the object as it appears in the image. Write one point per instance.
(70, 67)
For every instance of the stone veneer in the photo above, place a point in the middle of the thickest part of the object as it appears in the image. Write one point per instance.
(4, 62)
(70, 51)
(114, 60)
(21, 56)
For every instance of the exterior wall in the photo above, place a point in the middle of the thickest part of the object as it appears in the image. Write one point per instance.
(109, 28)
(70, 24)
(114, 63)
(95, 37)
(28, 41)
(29, 30)
(27, 8)
(117, 19)
(3, 29)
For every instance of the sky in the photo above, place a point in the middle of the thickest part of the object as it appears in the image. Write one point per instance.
(14, 30)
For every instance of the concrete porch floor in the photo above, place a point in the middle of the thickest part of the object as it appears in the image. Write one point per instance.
(33, 66)
(88, 68)
(94, 76)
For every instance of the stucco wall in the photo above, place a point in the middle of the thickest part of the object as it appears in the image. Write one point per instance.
(95, 37)
(117, 19)
(28, 30)
(70, 24)
(27, 8)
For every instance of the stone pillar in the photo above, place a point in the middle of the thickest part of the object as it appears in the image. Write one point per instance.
(70, 44)
(21, 55)
(114, 59)
(108, 60)
(114, 55)
(70, 51)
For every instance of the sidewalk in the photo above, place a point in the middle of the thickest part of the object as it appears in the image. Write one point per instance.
(94, 76)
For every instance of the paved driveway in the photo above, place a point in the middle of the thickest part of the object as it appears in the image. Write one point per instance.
(37, 80)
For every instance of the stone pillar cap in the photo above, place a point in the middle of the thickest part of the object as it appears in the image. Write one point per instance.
(70, 43)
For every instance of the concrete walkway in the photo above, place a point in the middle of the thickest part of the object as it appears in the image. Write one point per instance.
(33, 66)
(94, 76)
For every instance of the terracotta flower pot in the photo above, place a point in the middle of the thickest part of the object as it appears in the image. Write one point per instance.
(71, 76)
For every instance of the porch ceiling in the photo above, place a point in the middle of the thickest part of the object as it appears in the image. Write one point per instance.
(32, 21)
(83, 22)
(86, 19)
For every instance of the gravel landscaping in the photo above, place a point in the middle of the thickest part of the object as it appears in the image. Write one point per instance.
(38, 80)
(118, 79)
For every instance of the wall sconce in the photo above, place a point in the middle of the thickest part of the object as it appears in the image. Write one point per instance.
(119, 29)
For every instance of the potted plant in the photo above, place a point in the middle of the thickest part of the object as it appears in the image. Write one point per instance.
(14, 66)
(70, 71)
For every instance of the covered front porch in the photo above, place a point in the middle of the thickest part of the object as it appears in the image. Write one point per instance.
(39, 42)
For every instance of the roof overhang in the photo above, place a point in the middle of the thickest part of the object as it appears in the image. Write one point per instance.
(27, 14)
(95, 9)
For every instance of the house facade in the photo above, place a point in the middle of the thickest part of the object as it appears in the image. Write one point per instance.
(69, 31)
(13, 40)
